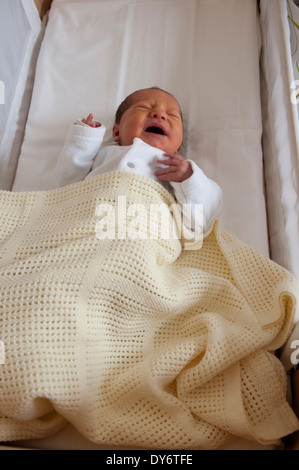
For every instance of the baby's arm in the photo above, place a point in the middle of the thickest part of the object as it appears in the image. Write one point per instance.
(81, 146)
(192, 187)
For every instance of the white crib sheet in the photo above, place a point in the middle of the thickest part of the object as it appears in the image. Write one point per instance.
(205, 52)
(21, 35)
(281, 134)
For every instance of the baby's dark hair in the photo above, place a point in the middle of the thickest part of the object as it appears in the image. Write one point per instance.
(127, 103)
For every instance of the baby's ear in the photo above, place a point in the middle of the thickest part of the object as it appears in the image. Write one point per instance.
(115, 131)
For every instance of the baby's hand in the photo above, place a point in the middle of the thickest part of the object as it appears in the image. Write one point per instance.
(178, 169)
(89, 121)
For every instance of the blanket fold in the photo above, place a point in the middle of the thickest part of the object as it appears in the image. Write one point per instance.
(128, 335)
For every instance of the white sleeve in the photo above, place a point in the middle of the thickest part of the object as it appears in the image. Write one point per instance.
(203, 197)
(76, 158)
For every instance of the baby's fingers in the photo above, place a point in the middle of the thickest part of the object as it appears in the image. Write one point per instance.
(168, 162)
(174, 156)
(177, 171)
(88, 120)
(167, 174)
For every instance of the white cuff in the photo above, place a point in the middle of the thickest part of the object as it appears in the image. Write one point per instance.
(83, 130)
(199, 189)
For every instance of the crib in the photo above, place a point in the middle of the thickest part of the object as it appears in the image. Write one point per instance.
(233, 67)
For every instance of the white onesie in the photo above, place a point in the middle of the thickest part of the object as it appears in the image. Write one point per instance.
(83, 157)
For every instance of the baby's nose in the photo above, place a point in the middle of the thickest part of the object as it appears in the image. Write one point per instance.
(158, 113)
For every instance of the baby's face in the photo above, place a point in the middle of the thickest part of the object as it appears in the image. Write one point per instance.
(155, 117)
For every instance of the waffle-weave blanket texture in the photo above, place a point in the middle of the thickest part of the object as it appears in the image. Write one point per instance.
(136, 341)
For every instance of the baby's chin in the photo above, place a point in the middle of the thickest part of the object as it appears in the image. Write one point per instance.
(158, 143)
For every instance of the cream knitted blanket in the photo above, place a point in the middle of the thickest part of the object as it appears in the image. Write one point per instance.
(136, 341)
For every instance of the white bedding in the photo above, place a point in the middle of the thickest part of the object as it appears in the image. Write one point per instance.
(293, 21)
(84, 68)
(280, 136)
(188, 47)
(21, 35)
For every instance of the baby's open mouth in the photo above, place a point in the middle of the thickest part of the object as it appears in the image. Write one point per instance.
(155, 130)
